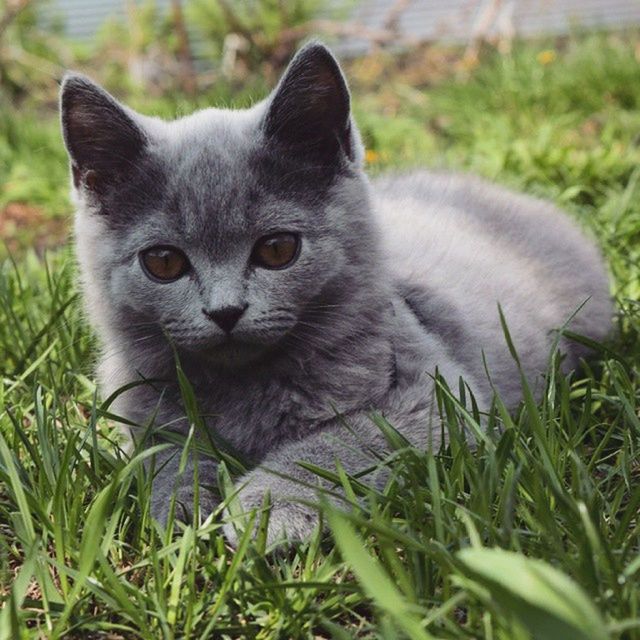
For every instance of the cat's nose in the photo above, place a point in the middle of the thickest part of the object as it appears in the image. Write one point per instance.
(225, 317)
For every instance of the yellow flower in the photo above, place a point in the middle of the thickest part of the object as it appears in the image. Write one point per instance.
(547, 56)
(371, 156)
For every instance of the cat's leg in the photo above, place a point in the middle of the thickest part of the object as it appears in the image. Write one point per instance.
(169, 480)
(172, 469)
(290, 486)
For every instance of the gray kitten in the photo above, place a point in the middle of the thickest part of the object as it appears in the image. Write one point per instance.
(298, 295)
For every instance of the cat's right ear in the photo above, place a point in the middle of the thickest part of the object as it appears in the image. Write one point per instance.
(309, 110)
(101, 137)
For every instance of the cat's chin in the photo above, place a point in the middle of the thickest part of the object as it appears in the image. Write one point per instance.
(233, 354)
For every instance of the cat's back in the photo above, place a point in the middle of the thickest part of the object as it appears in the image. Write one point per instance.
(443, 215)
(457, 246)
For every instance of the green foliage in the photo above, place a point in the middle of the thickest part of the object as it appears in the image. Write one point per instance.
(549, 605)
(30, 50)
(260, 23)
(139, 54)
(33, 163)
(532, 533)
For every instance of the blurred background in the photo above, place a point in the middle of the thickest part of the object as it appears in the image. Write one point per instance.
(540, 94)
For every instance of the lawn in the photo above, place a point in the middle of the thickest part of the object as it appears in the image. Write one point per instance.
(533, 534)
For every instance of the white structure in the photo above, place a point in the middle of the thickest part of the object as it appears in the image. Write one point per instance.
(417, 20)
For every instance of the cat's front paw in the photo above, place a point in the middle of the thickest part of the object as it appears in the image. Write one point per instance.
(184, 503)
(174, 486)
(290, 519)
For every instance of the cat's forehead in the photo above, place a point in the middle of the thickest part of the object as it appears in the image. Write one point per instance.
(209, 141)
(221, 130)
(208, 158)
(222, 180)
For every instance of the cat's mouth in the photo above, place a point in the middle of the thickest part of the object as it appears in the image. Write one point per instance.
(231, 351)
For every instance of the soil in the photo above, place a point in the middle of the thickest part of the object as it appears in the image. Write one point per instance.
(24, 225)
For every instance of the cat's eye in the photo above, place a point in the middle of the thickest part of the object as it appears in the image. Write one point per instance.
(164, 263)
(276, 251)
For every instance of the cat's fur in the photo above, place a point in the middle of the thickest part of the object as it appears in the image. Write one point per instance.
(395, 278)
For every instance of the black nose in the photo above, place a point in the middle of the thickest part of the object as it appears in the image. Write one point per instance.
(226, 318)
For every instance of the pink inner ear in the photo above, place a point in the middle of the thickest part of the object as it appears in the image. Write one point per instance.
(325, 86)
(91, 179)
(326, 78)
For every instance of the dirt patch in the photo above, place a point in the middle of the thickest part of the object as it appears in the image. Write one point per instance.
(24, 225)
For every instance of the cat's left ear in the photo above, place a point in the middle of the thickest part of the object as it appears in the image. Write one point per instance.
(309, 111)
(102, 136)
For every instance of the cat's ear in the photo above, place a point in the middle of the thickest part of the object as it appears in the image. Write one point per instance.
(309, 110)
(100, 134)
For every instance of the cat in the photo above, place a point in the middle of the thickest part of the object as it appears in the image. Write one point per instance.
(297, 295)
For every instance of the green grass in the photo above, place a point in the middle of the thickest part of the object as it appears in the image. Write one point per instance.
(533, 534)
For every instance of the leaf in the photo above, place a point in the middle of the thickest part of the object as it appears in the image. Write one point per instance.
(9, 614)
(374, 580)
(548, 603)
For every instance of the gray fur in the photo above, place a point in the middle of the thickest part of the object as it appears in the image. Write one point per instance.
(395, 278)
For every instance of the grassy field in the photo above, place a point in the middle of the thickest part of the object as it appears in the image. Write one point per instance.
(535, 534)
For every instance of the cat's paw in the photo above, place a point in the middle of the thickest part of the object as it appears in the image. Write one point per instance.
(290, 520)
(173, 485)
(185, 500)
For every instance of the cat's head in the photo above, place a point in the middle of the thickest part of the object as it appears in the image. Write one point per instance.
(225, 231)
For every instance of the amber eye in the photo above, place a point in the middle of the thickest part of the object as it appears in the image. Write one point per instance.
(276, 251)
(164, 263)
